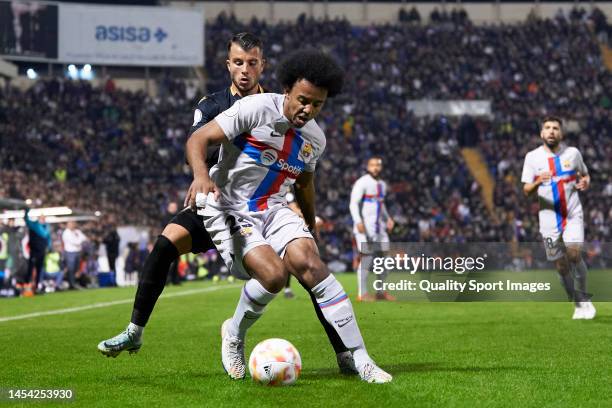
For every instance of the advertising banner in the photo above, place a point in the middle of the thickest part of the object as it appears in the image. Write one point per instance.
(127, 35)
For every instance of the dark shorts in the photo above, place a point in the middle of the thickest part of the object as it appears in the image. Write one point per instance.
(200, 239)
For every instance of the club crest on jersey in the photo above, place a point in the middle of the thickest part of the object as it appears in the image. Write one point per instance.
(306, 150)
(268, 157)
(246, 231)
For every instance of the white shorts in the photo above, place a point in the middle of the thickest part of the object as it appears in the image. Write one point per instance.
(555, 241)
(236, 231)
(372, 237)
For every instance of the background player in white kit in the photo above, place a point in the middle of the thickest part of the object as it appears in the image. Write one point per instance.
(557, 172)
(270, 142)
(371, 222)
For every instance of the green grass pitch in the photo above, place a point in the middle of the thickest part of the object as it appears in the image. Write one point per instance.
(441, 354)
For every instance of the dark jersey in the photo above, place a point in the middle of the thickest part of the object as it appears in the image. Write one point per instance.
(208, 108)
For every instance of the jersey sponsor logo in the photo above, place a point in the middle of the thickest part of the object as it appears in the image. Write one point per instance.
(197, 117)
(274, 133)
(295, 170)
(268, 157)
(567, 164)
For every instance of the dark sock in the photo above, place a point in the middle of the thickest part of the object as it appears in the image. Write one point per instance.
(288, 284)
(580, 273)
(154, 276)
(567, 281)
(332, 335)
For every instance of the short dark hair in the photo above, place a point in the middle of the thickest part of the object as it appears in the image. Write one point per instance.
(246, 41)
(551, 118)
(375, 157)
(314, 66)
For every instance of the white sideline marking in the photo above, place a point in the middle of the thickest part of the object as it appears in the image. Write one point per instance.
(107, 304)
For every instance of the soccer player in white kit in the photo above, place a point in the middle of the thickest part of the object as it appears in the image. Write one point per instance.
(371, 221)
(557, 172)
(270, 142)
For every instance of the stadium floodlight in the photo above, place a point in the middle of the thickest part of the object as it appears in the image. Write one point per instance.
(37, 212)
(31, 73)
(86, 72)
(73, 73)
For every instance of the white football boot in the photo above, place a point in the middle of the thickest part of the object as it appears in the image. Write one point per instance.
(232, 353)
(588, 310)
(371, 373)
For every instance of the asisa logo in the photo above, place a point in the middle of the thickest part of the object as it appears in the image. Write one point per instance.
(129, 34)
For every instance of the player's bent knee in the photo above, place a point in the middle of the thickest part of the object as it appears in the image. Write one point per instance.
(179, 236)
(264, 265)
(562, 266)
(273, 282)
(573, 254)
(311, 270)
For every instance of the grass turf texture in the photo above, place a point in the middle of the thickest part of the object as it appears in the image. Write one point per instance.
(440, 354)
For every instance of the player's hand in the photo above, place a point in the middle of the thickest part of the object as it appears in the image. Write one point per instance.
(203, 186)
(360, 228)
(583, 183)
(390, 224)
(545, 176)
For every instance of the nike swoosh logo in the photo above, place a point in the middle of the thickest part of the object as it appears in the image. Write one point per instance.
(345, 322)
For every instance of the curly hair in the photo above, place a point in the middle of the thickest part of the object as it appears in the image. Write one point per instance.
(314, 66)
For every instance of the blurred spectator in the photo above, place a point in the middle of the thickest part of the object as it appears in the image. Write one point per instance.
(72, 239)
(53, 268)
(4, 255)
(39, 236)
(111, 243)
(134, 262)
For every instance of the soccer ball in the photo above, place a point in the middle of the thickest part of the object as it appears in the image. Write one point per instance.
(275, 362)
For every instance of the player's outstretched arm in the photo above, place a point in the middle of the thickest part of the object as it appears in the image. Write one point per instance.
(196, 150)
(305, 197)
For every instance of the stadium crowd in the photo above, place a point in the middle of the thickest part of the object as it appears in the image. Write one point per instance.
(66, 142)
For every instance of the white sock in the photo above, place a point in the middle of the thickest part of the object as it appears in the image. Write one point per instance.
(253, 300)
(338, 311)
(362, 278)
(135, 329)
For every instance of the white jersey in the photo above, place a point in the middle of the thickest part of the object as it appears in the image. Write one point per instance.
(368, 203)
(264, 154)
(558, 198)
